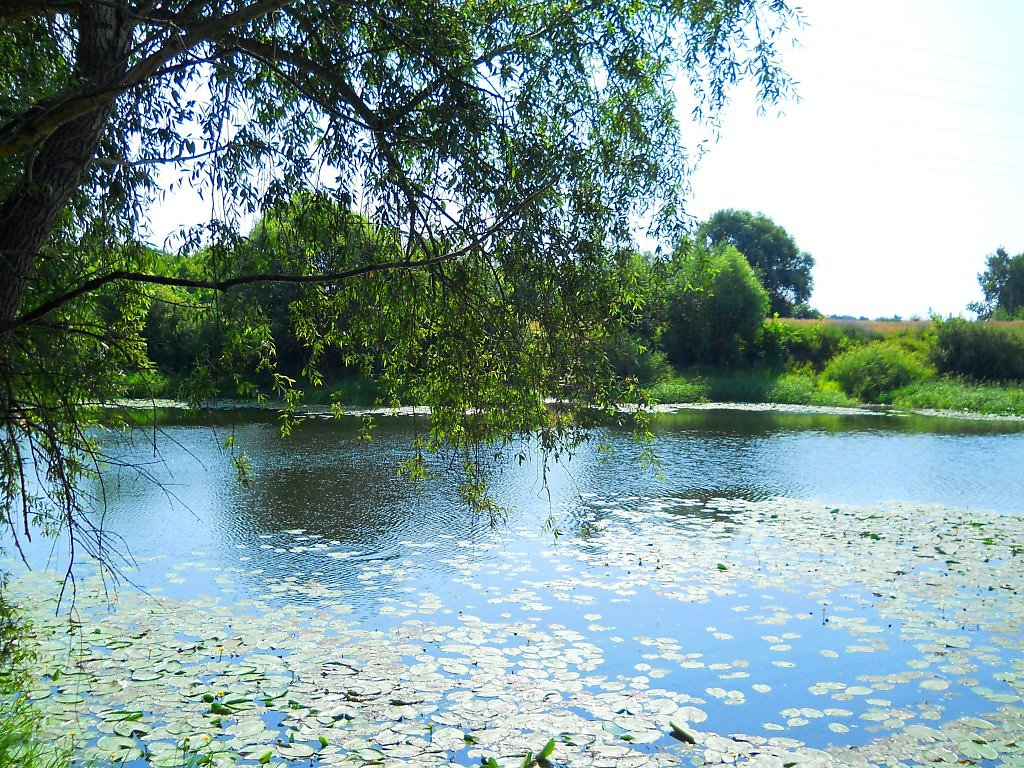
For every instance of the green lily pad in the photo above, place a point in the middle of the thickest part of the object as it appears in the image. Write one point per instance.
(129, 728)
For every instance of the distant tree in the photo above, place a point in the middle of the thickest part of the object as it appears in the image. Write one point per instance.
(717, 307)
(784, 270)
(1003, 284)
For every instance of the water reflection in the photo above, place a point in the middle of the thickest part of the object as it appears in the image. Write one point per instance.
(348, 495)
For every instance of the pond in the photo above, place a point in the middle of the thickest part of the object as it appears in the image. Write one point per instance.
(784, 588)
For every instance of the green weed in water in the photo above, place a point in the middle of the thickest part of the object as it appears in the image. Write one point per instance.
(21, 743)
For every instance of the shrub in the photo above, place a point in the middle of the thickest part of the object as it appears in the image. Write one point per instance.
(872, 372)
(788, 345)
(629, 358)
(805, 388)
(717, 307)
(979, 350)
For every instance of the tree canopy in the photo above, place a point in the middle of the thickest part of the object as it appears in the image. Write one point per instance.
(716, 307)
(784, 270)
(1003, 285)
(487, 158)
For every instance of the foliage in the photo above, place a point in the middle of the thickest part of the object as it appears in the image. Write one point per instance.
(681, 389)
(785, 344)
(980, 350)
(631, 358)
(20, 741)
(805, 388)
(716, 308)
(455, 182)
(784, 270)
(635, 349)
(1003, 285)
(799, 388)
(871, 373)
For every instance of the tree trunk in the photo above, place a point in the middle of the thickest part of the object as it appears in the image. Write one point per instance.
(54, 171)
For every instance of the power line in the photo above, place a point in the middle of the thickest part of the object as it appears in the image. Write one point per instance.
(849, 116)
(927, 168)
(921, 75)
(926, 97)
(844, 156)
(900, 153)
(919, 49)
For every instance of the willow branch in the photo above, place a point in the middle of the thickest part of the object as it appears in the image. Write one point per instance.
(25, 131)
(228, 284)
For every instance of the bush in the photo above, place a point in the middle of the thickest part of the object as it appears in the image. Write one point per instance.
(871, 373)
(804, 388)
(717, 307)
(979, 350)
(631, 359)
(788, 345)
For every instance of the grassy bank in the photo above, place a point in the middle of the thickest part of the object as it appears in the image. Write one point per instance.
(800, 387)
(808, 388)
(354, 391)
(950, 365)
(932, 364)
(952, 395)
(748, 387)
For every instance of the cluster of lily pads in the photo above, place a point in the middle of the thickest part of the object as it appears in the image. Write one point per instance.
(888, 635)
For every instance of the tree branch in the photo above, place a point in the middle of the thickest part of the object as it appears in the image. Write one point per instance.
(113, 162)
(269, 53)
(12, 10)
(25, 131)
(226, 285)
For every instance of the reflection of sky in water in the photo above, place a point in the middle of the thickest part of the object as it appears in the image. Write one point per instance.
(325, 510)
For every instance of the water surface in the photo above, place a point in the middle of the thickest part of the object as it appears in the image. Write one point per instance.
(691, 577)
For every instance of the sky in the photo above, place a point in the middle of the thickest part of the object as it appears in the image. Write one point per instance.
(899, 167)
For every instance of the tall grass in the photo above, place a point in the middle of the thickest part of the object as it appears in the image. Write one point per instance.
(954, 395)
(795, 387)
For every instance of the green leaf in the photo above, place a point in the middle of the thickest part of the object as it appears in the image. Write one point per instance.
(546, 752)
(681, 733)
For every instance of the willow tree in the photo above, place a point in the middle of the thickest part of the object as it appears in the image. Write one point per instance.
(500, 151)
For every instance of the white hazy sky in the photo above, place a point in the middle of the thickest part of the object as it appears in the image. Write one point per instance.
(900, 167)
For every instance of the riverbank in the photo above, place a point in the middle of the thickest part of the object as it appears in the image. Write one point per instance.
(938, 396)
(760, 387)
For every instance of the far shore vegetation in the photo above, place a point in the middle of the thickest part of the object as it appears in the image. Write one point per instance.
(724, 317)
(916, 376)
